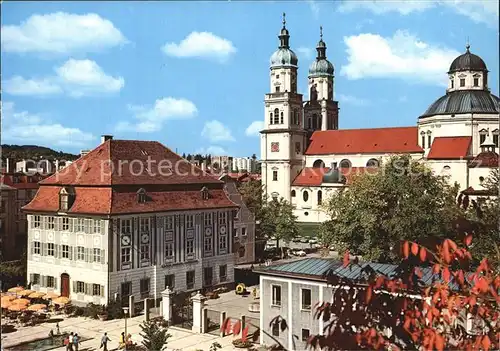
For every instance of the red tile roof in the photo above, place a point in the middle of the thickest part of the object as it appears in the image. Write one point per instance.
(102, 189)
(105, 201)
(130, 162)
(479, 192)
(449, 148)
(23, 181)
(485, 159)
(310, 176)
(368, 141)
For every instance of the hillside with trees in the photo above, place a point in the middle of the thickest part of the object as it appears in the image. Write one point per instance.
(20, 152)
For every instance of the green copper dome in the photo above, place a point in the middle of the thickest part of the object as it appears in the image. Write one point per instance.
(321, 67)
(284, 56)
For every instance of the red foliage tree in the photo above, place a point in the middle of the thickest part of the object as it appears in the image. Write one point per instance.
(404, 312)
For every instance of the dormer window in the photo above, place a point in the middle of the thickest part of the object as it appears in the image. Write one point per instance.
(66, 197)
(452, 83)
(462, 82)
(141, 196)
(476, 82)
(482, 136)
(204, 193)
(495, 134)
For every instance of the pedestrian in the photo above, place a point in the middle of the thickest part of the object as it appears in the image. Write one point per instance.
(57, 329)
(121, 342)
(68, 341)
(76, 341)
(104, 342)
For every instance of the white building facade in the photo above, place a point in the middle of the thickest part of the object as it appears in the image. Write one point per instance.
(305, 156)
(93, 239)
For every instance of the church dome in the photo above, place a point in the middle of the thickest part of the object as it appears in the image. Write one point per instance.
(284, 57)
(464, 101)
(321, 67)
(468, 62)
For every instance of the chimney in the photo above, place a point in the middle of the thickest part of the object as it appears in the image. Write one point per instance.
(105, 138)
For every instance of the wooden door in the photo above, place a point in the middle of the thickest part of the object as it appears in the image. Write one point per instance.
(65, 285)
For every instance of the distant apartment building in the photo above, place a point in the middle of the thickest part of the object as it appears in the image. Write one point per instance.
(132, 230)
(24, 188)
(223, 163)
(43, 166)
(242, 164)
(244, 224)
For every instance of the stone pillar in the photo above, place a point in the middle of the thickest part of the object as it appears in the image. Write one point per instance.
(198, 306)
(222, 324)
(166, 304)
(146, 309)
(131, 306)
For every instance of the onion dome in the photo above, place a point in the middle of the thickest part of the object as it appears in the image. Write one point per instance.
(468, 62)
(321, 67)
(284, 56)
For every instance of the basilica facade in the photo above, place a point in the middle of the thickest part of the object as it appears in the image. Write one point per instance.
(305, 156)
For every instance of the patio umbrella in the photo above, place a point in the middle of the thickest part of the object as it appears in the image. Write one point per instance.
(37, 307)
(6, 304)
(36, 295)
(20, 302)
(8, 298)
(61, 300)
(16, 307)
(25, 292)
(50, 296)
(16, 289)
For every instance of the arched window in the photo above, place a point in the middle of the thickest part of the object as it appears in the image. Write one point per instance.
(452, 83)
(276, 116)
(429, 138)
(446, 170)
(345, 163)
(305, 196)
(422, 134)
(372, 163)
(293, 193)
(309, 123)
(320, 197)
(318, 164)
(495, 134)
(281, 120)
(296, 117)
(315, 121)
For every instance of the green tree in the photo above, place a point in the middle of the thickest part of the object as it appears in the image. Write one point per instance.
(154, 335)
(402, 200)
(278, 220)
(253, 196)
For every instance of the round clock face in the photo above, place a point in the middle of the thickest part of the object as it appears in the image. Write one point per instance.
(208, 231)
(125, 240)
(223, 230)
(145, 238)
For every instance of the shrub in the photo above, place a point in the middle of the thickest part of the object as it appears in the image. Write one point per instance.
(240, 343)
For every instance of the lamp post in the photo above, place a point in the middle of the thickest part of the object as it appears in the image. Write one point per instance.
(125, 311)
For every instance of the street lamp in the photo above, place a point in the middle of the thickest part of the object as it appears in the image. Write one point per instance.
(125, 311)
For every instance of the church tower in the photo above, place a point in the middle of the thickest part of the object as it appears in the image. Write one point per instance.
(283, 137)
(321, 111)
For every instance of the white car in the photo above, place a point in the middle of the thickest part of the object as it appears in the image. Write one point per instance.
(300, 253)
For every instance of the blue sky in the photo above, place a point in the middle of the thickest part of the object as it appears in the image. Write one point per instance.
(193, 75)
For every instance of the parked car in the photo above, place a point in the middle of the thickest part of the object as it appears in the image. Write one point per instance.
(300, 253)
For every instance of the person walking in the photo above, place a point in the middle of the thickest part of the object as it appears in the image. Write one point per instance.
(76, 341)
(104, 342)
(121, 342)
(69, 342)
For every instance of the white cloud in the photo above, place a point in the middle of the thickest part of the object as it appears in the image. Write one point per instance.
(61, 33)
(201, 44)
(151, 118)
(314, 6)
(305, 52)
(215, 131)
(254, 128)
(36, 86)
(22, 126)
(403, 56)
(212, 150)
(75, 78)
(485, 11)
(352, 100)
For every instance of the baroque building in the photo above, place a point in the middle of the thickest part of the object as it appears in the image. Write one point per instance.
(305, 157)
(129, 219)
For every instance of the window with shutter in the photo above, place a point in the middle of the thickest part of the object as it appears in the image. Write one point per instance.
(32, 278)
(74, 286)
(103, 257)
(55, 283)
(102, 290)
